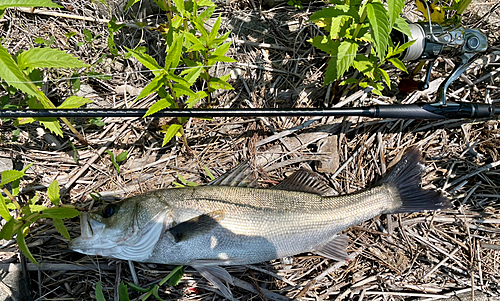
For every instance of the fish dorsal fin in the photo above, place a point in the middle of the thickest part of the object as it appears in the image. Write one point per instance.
(334, 249)
(198, 225)
(240, 176)
(303, 180)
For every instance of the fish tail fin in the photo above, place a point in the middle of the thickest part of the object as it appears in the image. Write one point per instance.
(406, 179)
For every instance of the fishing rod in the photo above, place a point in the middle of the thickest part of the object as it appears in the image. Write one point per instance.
(431, 41)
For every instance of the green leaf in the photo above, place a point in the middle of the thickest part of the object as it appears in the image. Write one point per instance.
(10, 175)
(27, 3)
(193, 73)
(179, 4)
(74, 102)
(153, 86)
(324, 43)
(219, 83)
(172, 130)
(60, 213)
(398, 64)
(4, 211)
(209, 174)
(219, 58)
(145, 59)
(12, 74)
(123, 290)
(21, 243)
(58, 223)
(48, 58)
(222, 49)
(395, 8)
(113, 161)
(379, 24)
(336, 27)
(174, 53)
(8, 229)
(137, 288)
(122, 156)
(53, 193)
(196, 44)
(385, 76)
(214, 31)
(401, 25)
(333, 12)
(161, 104)
(176, 277)
(113, 27)
(342, 58)
(98, 292)
(365, 65)
(183, 90)
(203, 31)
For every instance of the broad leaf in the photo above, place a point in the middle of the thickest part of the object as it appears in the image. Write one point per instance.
(59, 213)
(74, 102)
(385, 76)
(342, 58)
(4, 211)
(335, 27)
(174, 53)
(153, 86)
(183, 90)
(365, 65)
(398, 64)
(123, 290)
(161, 104)
(333, 12)
(219, 58)
(214, 31)
(53, 193)
(21, 243)
(220, 83)
(172, 130)
(325, 44)
(179, 4)
(395, 8)
(145, 59)
(401, 25)
(122, 156)
(379, 23)
(59, 224)
(98, 292)
(48, 58)
(196, 44)
(27, 3)
(222, 49)
(12, 74)
(8, 229)
(10, 175)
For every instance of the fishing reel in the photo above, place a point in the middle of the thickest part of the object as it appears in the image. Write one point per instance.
(433, 40)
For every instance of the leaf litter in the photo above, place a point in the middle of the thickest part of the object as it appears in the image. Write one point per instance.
(422, 256)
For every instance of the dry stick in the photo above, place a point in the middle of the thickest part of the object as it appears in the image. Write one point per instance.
(12, 267)
(484, 168)
(95, 157)
(7, 290)
(366, 144)
(440, 263)
(267, 69)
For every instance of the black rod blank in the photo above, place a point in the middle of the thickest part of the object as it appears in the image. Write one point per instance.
(411, 111)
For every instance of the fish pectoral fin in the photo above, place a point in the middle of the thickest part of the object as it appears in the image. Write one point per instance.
(240, 176)
(334, 249)
(215, 275)
(199, 225)
(304, 180)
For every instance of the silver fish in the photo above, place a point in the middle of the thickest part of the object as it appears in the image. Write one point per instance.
(224, 223)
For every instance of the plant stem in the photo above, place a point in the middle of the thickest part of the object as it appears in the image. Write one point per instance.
(361, 20)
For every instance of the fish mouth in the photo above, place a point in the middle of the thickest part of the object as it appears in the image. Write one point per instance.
(90, 230)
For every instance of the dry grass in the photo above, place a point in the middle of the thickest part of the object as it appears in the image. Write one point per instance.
(394, 257)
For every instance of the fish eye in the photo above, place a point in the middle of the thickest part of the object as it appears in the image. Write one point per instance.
(109, 210)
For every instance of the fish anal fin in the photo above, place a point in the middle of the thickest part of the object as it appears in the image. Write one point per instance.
(216, 275)
(240, 176)
(198, 225)
(334, 249)
(304, 180)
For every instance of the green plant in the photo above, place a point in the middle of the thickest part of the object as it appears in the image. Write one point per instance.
(115, 160)
(296, 3)
(21, 70)
(191, 51)
(351, 25)
(20, 216)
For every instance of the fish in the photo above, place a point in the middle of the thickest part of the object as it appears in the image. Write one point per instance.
(231, 221)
